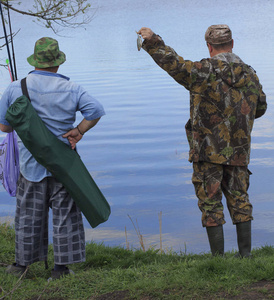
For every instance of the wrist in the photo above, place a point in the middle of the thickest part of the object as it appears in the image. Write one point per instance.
(154, 41)
(80, 131)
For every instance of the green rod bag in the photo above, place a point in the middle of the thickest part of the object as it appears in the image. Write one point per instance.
(59, 159)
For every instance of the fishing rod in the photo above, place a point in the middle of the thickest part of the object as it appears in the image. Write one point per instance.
(11, 41)
(7, 43)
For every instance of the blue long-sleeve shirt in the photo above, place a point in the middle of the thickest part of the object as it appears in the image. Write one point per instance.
(56, 100)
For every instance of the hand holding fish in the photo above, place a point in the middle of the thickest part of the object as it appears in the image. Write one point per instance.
(146, 33)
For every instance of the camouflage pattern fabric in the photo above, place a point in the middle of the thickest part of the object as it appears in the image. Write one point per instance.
(46, 54)
(225, 98)
(218, 34)
(210, 181)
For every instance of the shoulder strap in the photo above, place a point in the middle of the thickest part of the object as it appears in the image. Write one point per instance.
(24, 87)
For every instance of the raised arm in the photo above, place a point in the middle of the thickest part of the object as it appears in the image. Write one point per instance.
(175, 65)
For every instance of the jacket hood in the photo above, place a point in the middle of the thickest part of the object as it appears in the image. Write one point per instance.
(231, 69)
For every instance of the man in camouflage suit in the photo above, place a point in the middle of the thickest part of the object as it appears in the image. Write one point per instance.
(56, 100)
(225, 98)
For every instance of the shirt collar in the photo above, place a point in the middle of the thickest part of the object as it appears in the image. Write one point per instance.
(46, 73)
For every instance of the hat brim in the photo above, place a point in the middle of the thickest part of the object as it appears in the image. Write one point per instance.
(57, 62)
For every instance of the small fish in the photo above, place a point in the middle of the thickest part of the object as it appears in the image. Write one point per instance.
(139, 41)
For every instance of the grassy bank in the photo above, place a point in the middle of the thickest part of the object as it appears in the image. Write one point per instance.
(117, 273)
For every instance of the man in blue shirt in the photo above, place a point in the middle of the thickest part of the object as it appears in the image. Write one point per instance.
(56, 100)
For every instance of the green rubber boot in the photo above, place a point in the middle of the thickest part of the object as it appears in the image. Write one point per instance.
(216, 239)
(244, 239)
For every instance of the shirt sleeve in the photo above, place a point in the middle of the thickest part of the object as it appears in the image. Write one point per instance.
(89, 107)
(176, 66)
(4, 105)
(261, 104)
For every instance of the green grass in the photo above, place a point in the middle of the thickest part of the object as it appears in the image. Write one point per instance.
(140, 275)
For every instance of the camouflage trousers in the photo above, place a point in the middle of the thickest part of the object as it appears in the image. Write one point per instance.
(211, 181)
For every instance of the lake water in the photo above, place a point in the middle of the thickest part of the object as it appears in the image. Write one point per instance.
(137, 154)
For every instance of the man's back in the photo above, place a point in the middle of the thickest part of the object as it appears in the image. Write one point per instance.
(225, 97)
(56, 100)
(225, 93)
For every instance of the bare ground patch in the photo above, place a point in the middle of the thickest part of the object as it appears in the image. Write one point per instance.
(257, 291)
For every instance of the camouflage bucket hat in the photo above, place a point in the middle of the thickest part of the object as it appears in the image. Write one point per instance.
(218, 34)
(46, 54)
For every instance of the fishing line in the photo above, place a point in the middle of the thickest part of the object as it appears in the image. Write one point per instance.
(11, 40)
(6, 38)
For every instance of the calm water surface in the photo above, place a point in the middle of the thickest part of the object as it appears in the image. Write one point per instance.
(138, 152)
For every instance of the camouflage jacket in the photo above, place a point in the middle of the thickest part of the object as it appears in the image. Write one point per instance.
(225, 98)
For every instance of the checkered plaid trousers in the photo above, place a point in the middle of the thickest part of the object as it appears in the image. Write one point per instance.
(31, 223)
